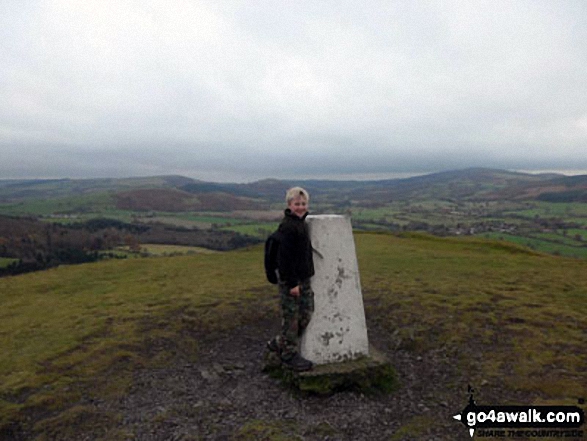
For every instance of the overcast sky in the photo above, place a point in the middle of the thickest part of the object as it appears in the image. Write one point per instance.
(241, 90)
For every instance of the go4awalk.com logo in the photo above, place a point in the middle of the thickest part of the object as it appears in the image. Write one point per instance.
(522, 421)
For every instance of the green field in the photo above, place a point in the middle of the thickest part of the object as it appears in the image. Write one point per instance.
(119, 215)
(366, 214)
(558, 238)
(156, 250)
(549, 209)
(191, 220)
(5, 261)
(564, 248)
(370, 227)
(91, 203)
(219, 220)
(450, 216)
(175, 250)
(259, 229)
(505, 315)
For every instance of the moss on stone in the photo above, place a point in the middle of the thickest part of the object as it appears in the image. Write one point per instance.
(372, 374)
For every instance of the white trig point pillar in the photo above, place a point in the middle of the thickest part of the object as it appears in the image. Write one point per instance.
(338, 330)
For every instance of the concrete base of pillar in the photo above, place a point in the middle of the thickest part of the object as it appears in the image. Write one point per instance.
(368, 374)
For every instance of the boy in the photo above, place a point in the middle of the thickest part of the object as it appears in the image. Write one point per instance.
(295, 266)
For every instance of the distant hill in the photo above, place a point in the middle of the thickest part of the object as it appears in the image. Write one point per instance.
(459, 184)
(174, 200)
(557, 189)
(178, 193)
(468, 184)
(14, 190)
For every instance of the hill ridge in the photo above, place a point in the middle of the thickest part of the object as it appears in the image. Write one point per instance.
(475, 182)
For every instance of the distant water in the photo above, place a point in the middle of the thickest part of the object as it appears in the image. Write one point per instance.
(234, 178)
(562, 172)
(248, 176)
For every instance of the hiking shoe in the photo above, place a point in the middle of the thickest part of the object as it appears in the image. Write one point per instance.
(298, 363)
(273, 346)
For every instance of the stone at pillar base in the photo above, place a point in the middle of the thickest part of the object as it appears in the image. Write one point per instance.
(368, 374)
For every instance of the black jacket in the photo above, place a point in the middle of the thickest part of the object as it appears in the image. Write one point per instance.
(294, 258)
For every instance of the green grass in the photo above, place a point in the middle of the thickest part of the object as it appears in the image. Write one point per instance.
(166, 250)
(258, 229)
(558, 238)
(581, 231)
(94, 202)
(192, 220)
(5, 261)
(370, 227)
(581, 221)
(66, 220)
(367, 214)
(156, 250)
(212, 219)
(525, 310)
(503, 314)
(120, 215)
(74, 324)
(551, 209)
(565, 248)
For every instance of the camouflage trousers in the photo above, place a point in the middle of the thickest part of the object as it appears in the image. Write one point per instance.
(296, 313)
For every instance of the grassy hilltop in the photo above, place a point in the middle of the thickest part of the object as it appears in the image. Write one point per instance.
(505, 315)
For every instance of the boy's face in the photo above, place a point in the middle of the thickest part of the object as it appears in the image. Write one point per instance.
(298, 206)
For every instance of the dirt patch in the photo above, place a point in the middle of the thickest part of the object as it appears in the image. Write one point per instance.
(224, 395)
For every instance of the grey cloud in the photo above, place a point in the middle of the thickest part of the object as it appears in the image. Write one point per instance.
(252, 88)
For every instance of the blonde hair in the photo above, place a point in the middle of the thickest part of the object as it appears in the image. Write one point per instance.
(295, 192)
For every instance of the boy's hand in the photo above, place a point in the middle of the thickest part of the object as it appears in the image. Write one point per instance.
(295, 291)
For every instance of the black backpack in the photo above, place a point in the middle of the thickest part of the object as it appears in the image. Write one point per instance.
(271, 249)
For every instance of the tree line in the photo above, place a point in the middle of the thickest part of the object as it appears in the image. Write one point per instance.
(40, 245)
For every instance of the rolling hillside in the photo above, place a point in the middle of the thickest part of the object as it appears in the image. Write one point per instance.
(559, 189)
(546, 212)
(506, 319)
(176, 193)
